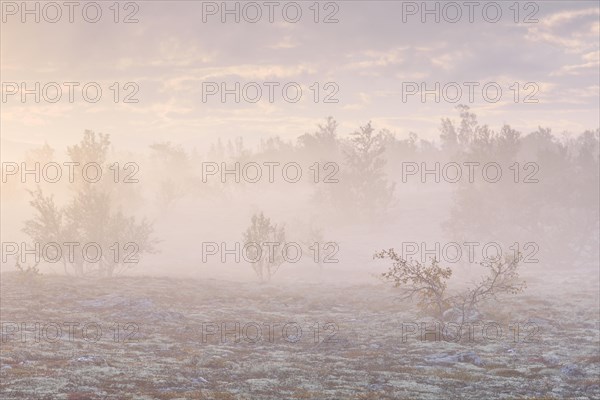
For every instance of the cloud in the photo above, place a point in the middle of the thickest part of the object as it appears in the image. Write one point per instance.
(364, 100)
(575, 31)
(244, 73)
(373, 58)
(36, 114)
(285, 42)
(591, 63)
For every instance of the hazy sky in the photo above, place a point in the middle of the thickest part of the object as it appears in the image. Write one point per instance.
(368, 54)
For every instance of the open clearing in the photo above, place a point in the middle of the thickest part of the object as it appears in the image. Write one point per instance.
(161, 339)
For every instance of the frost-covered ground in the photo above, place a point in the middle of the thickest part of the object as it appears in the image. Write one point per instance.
(162, 338)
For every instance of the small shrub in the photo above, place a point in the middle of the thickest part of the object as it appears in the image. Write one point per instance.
(260, 235)
(428, 283)
(27, 273)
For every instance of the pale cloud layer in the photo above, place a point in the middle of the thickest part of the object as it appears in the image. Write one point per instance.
(368, 55)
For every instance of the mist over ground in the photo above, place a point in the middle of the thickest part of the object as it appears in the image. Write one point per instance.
(357, 200)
